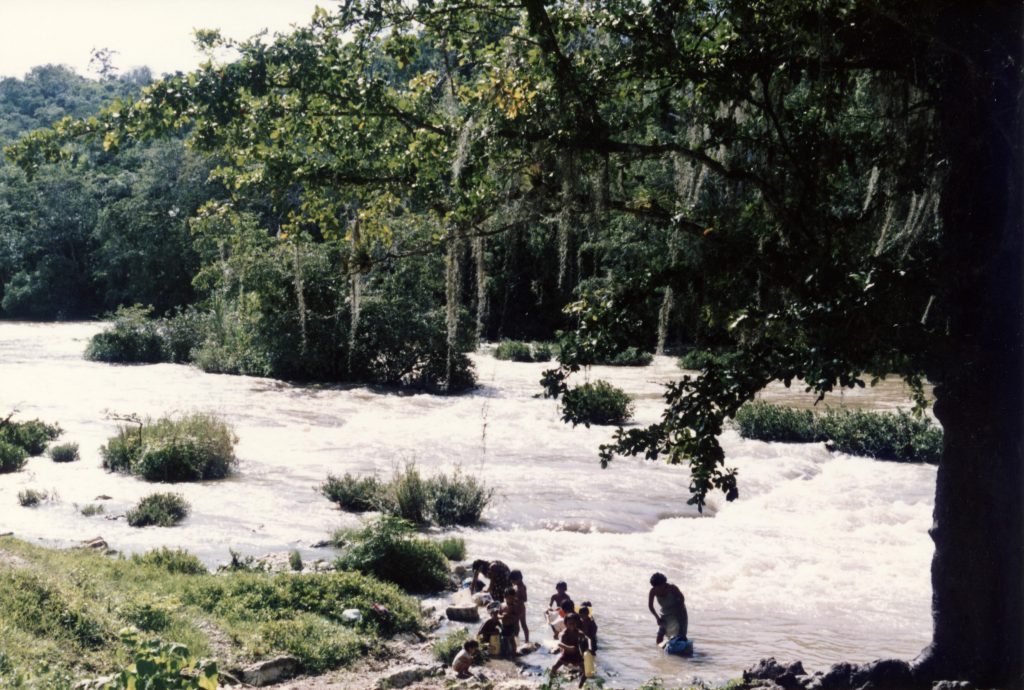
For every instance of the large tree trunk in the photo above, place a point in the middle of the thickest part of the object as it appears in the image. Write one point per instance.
(977, 578)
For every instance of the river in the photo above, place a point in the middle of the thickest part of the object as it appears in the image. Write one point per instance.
(824, 558)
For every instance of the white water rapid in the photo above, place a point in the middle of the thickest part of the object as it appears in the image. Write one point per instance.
(824, 557)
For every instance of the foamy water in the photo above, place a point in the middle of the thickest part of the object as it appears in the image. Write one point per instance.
(824, 557)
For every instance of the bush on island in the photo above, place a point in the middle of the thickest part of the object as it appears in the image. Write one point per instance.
(454, 548)
(12, 457)
(630, 357)
(354, 494)
(596, 403)
(31, 436)
(388, 548)
(133, 338)
(30, 498)
(883, 435)
(160, 510)
(697, 359)
(513, 350)
(195, 447)
(441, 499)
(64, 452)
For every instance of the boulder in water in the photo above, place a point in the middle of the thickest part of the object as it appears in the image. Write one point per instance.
(463, 614)
(270, 671)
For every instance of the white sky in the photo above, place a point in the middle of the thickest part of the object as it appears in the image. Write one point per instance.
(155, 33)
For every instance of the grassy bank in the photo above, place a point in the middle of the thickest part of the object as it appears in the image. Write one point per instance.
(63, 610)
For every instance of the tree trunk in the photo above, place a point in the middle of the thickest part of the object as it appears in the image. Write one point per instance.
(977, 578)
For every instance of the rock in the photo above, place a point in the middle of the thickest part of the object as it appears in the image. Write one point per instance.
(270, 671)
(320, 545)
(97, 543)
(528, 648)
(464, 614)
(407, 675)
(883, 673)
(460, 570)
(102, 497)
(836, 678)
(952, 685)
(351, 616)
(770, 669)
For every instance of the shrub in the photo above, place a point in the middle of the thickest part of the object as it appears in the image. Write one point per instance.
(446, 648)
(542, 352)
(183, 334)
(883, 435)
(409, 495)
(596, 403)
(514, 350)
(453, 548)
(766, 422)
(387, 548)
(171, 560)
(31, 436)
(134, 338)
(64, 452)
(630, 357)
(295, 560)
(354, 494)
(700, 359)
(157, 664)
(162, 510)
(318, 644)
(92, 509)
(12, 457)
(30, 498)
(457, 500)
(195, 447)
(146, 614)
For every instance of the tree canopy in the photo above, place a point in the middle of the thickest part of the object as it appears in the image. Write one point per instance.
(831, 187)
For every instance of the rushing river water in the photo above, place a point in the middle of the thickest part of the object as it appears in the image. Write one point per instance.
(824, 557)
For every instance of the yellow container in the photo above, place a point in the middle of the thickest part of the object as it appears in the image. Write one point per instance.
(494, 645)
(589, 664)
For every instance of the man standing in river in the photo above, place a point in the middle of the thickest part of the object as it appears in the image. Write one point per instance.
(672, 619)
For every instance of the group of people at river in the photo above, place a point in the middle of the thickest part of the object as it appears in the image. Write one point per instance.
(574, 628)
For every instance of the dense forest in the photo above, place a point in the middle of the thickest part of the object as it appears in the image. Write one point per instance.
(830, 190)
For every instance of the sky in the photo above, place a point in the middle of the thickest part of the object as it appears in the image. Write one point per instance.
(153, 33)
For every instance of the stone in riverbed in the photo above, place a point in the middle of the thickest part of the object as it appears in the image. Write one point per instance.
(407, 675)
(463, 614)
(270, 671)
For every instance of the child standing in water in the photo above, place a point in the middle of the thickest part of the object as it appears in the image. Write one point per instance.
(588, 626)
(491, 627)
(516, 578)
(511, 614)
(554, 611)
(572, 644)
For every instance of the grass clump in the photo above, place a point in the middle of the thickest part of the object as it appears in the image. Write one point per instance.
(387, 548)
(441, 499)
(446, 648)
(354, 494)
(295, 560)
(453, 548)
(596, 403)
(30, 498)
(160, 509)
(318, 644)
(134, 338)
(64, 452)
(176, 561)
(195, 447)
(12, 457)
(31, 436)
(884, 435)
(148, 614)
(513, 350)
(92, 510)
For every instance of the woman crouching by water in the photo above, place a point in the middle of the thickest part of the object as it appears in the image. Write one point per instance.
(672, 619)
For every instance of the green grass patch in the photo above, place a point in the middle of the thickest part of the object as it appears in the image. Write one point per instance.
(446, 648)
(596, 403)
(194, 447)
(388, 549)
(92, 509)
(355, 494)
(159, 510)
(897, 436)
(64, 452)
(453, 548)
(63, 611)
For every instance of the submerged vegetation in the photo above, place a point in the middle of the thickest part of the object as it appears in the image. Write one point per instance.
(56, 626)
(883, 435)
(193, 447)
